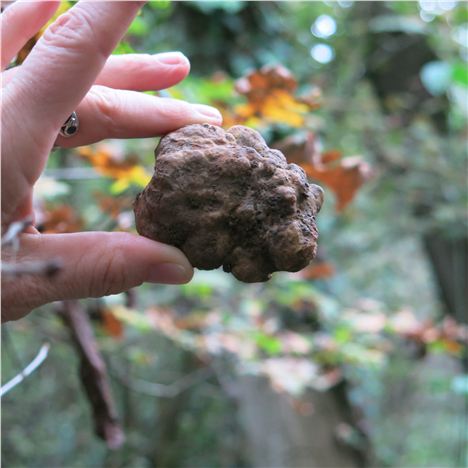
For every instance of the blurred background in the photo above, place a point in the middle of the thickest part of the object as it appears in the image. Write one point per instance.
(360, 359)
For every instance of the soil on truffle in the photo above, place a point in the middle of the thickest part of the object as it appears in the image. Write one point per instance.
(226, 199)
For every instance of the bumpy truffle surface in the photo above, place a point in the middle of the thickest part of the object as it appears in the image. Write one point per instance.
(225, 198)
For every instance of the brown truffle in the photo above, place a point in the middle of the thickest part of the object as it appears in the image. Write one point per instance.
(225, 198)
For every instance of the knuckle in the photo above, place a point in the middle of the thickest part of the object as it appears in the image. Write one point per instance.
(110, 274)
(74, 31)
(108, 108)
(174, 111)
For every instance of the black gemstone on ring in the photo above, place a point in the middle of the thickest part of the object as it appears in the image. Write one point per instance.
(71, 126)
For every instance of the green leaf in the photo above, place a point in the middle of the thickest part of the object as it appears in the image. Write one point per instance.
(460, 73)
(460, 14)
(342, 335)
(270, 344)
(119, 186)
(197, 290)
(204, 90)
(160, 4)
(138, 27)
(123, 48)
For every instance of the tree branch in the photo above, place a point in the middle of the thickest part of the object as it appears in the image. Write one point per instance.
(14, 269)
(11, 236)
(93, 374)
(47, 268)
(28, 370)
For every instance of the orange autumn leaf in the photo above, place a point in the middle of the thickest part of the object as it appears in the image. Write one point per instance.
(342, 175)
(190, 322)
(61, 219)
(259, 82)
(111, 324)
(270, 94)
(452, 347)
(125, 169)
(344, 178)
(319, 270)
(112, 205)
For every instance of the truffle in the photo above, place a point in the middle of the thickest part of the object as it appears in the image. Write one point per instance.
(225, 198)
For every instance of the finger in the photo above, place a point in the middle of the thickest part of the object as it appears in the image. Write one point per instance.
(139, 72)
(20, 22)
(66, 61)
(110, 113)
(143, 72)
(94, 264)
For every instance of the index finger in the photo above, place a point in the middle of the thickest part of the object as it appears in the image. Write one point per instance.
(65, 62)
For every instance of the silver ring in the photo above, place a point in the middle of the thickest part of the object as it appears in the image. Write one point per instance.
(70, 127)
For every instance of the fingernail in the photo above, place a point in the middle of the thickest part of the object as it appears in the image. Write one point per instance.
(208, 112)
(172, 58)
(169, 273)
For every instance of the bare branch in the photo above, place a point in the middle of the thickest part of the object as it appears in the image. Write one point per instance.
(93, 374)
(130, 298)
(14, 269)
(47, 268)
(28, 370)
(11, 236)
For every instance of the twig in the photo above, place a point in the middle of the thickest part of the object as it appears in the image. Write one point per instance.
(47, 268)
(93, 374)
(14, 269)
(11, 236)
(130, 298)
(28, 370)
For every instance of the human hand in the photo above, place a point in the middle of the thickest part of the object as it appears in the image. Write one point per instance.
(69, 70)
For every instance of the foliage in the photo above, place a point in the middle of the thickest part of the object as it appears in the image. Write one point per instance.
(364, 311)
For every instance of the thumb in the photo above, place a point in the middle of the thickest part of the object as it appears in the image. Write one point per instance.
(94, 264)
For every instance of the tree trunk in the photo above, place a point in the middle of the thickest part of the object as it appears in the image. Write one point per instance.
(308, 434)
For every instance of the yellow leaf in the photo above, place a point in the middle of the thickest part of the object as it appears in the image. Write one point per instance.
(119, 186)
(270, 98)
(124, 169)
(139, 176)
(26, 49)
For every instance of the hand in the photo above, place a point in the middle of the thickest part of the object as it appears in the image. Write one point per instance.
(68, 70)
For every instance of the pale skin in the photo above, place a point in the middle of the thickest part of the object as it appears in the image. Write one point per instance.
(70, 69)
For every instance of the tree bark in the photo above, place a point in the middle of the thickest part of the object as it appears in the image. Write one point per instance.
(281, 435)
